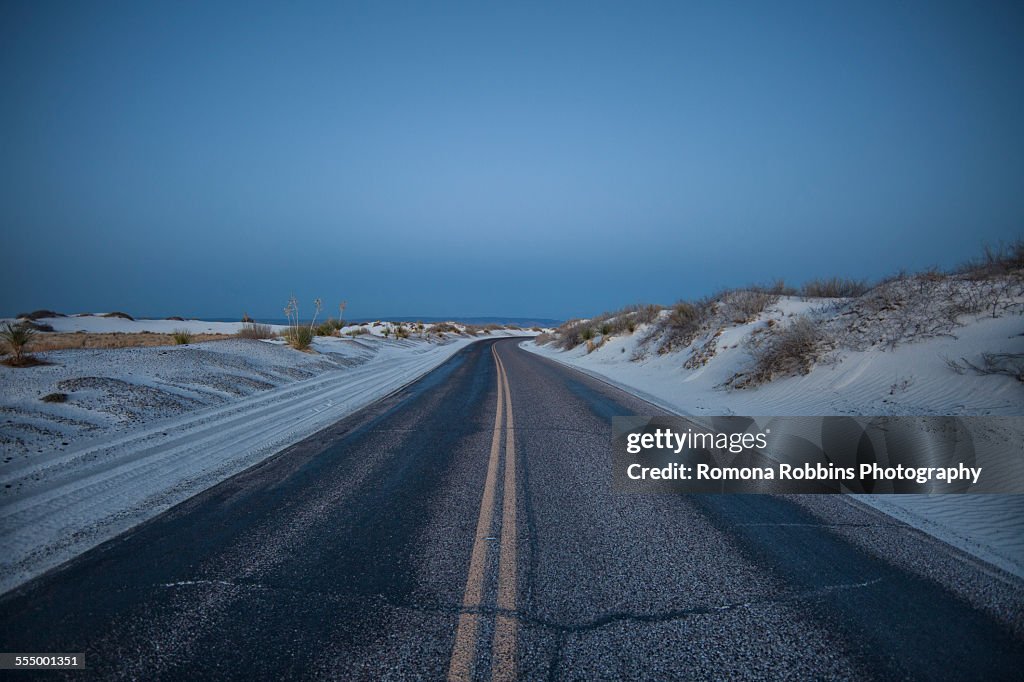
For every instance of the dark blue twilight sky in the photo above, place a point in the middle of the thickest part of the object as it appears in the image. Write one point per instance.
(482, 158)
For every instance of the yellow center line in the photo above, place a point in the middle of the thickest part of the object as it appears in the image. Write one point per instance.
(503, 660)
(464, 651)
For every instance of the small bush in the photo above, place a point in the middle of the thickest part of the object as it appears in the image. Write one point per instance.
(358, 331)
(401, 332)
(834, 287)
(784, 351)
(299, 338)
(17, 338)
(55, 398)
(255, 330)
(743, 306)
(682, 325)
(325, 329)
(182, 337)
(123, 316)
(646, 314)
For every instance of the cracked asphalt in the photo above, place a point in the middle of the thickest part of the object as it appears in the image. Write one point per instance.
(346, 556)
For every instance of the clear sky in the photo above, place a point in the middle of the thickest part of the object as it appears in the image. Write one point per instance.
(482, 158)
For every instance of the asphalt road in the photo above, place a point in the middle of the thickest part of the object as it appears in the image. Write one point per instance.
(465, 527)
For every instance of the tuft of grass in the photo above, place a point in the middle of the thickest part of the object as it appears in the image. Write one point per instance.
(17, 338)
(182, 337)
(255, 330)
(299, 337)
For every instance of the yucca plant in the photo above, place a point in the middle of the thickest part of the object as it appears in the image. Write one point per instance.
(17, 337)
(300, 337)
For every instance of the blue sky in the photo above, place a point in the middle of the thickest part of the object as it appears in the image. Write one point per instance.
(533, 159)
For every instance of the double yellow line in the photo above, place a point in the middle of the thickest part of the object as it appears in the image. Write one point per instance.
(503, 646)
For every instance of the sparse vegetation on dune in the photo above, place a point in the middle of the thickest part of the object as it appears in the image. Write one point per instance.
(901, 309)
(182, 337)
(783, 350)
(578, 331)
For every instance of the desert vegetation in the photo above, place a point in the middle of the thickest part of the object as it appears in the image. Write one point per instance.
(852, 315)
(298, 335)
(255, 330)
(16, 339)
(182, 337)
(783, 350)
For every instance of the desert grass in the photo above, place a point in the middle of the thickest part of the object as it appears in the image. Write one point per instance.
(255, 330)
(68, 341)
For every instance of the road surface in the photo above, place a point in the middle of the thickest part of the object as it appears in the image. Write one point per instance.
(465, 528)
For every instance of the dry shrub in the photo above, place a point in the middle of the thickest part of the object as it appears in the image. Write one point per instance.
(1007, 364)
(783, 351)
(834, 287)
(1001, 259)
(255, 330)
(682, 325)
(745, 305)
(913, 308)
(182, 337)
